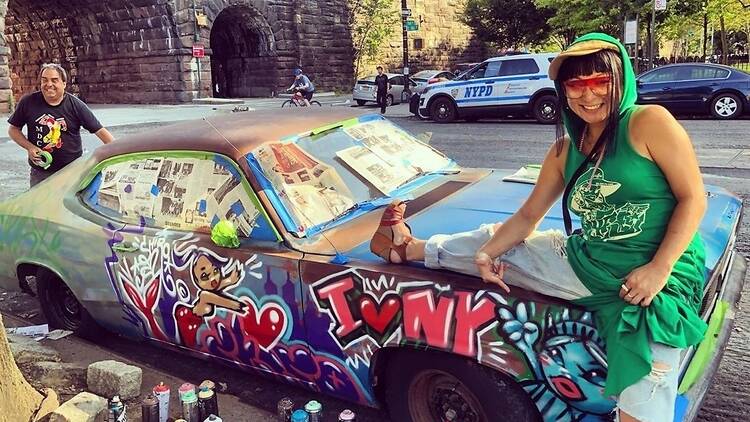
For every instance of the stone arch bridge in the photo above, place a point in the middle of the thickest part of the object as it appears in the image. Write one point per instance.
(141, 51)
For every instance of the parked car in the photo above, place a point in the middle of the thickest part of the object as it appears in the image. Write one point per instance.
(136, 238)
(365, 90)
(460, 68)
(511, 84)
(426, 77)
(699, 88)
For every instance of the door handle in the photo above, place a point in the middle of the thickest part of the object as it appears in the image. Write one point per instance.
(666, 89)
(124, 247)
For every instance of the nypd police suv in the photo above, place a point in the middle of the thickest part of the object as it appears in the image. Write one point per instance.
(496, 87)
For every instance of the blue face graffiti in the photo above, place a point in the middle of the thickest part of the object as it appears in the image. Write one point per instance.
(478, 91)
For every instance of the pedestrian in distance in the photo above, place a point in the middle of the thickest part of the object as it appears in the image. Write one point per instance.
(637, 262)
(383, 86)
(53, 119)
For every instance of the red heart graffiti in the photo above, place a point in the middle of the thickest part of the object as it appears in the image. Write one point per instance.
(264, 326)
(379, 318)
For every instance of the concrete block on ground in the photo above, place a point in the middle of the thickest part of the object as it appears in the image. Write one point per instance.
(25, 350)
(110, 377)
(56, 375)
(84, 407)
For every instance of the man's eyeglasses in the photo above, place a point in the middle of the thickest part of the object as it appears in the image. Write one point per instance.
(574, 88)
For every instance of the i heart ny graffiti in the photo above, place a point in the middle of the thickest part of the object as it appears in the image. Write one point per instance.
(442, 318)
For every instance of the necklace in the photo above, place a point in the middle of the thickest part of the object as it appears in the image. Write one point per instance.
(583, 135)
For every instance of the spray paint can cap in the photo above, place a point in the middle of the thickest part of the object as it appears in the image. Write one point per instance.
(209, 384)
(189, 397)
(205, 393)
(186, 387)
(300, 415)
(313, 406)
(161, 388)
(347, 415)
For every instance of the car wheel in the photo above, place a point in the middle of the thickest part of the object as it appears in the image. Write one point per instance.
(443, 110)
(389, 100)
(60, 306)
(545, 109)
(726, 106)
(424, 386)
(361, 102)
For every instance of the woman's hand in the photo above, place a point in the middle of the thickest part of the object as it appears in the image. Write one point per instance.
(643, 283)
(490, 271)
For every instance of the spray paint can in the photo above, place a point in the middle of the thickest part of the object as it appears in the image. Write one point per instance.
(284, 409)
(190, 411)
(161, 392)
(118, 409)
(186, 388)
(315, 410)
(210, 385)
(212, 418)
(347, 415)
(110, 415)
(207, 404)
(150, 409)
(300, 415)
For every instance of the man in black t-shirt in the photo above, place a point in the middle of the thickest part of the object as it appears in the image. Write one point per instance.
(383, 86)
(53, 119)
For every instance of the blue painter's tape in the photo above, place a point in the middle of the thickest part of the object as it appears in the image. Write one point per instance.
(237, 208)
(214, 221)
(339, 259)
(226, 165)
(202, 206)
(680, 407)
(273, 197)
(154, 190)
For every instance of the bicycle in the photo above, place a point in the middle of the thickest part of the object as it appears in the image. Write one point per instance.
(298, 100)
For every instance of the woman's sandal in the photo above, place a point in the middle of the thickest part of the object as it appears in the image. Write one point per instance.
(391, 223)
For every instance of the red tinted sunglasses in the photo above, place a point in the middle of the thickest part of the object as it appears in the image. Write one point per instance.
(575, 88)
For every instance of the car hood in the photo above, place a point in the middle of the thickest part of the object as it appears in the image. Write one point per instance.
(491, 199)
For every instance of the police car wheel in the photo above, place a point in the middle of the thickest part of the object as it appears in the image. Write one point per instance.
(443, 111)
(545, 109)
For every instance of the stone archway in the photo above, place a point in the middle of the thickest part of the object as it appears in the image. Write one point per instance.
(243, 54)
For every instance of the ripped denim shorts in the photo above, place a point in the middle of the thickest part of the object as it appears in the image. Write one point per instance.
(652, 399)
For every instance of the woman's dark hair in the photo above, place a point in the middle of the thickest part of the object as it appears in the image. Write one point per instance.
(605, 61)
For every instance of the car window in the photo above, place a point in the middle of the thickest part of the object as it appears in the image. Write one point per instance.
(189, 192)
(707, 72)
(518, 67)
(670, 74)
(493, 69)
(478, 72)
(397, 80)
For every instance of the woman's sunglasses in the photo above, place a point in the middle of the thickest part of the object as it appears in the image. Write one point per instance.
(574, 88)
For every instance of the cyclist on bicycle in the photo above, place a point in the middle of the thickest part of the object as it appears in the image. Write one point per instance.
(303, 85)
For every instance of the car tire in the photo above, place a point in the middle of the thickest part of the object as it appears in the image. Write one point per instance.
(726, 106)
(361, 102)
(443, 110)
(61, 308)
(424, 386)
(389, 100)
(545, 109)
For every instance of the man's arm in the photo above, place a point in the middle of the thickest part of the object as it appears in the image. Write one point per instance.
(18, 137)
(105, 136)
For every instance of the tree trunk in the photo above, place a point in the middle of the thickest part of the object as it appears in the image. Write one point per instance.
(723, 40)
(20, 400)
(705, 32)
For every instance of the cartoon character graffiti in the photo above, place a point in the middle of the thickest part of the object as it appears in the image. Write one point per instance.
(561, 390)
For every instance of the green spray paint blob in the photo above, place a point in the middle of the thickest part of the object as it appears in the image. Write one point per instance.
(224, 234)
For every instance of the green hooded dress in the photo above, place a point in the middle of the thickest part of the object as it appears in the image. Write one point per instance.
(625, 206)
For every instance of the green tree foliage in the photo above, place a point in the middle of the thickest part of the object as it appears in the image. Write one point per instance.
(371, 23)
(508, 23)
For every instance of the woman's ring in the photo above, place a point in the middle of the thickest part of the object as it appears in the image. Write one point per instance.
(624, 287)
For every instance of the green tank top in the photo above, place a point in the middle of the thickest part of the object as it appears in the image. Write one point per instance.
(625, 206)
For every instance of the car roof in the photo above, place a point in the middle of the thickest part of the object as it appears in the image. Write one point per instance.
(232, 135)
(522, 56)
(673, 65)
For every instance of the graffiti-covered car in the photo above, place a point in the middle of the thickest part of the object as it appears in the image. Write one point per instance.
(244, 239)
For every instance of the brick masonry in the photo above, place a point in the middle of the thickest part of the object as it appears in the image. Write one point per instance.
(140, 51)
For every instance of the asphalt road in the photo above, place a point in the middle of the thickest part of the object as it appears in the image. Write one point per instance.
(498, 144)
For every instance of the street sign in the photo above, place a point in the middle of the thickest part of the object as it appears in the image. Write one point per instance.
(411, 25)
(199, 50)
(631, 27)
(660, 5)
(405, 12)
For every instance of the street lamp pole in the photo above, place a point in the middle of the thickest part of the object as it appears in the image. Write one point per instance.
(405, 33)
(651, 37)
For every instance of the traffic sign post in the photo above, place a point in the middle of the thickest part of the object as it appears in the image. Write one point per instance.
(405, 12)
(411, 25)
(199, 50)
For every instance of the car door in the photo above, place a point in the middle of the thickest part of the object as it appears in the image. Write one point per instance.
(694, 88)
(519, 79)
(655, 87)
(193, 258)
(397, 88)
(481, 90)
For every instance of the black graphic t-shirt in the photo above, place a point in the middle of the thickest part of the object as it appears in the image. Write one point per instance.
(382, 83)
(56, 129)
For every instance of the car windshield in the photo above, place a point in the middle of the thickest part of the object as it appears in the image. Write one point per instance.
(425, 74)
(322, 176)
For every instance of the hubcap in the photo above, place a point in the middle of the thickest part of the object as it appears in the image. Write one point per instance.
(438, 396)
(726, 106)
(547, 111)
(443, 111)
